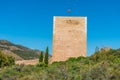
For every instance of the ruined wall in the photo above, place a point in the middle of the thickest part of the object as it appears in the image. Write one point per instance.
(69, 37)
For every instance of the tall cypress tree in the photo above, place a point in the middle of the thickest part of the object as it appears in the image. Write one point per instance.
(46, 56)
(41, 57)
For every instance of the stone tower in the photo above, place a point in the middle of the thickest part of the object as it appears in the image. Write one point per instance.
(69, 37)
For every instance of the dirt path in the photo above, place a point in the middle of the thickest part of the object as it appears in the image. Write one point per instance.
(28, 62)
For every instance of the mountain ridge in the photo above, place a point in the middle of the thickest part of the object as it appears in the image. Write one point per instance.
(19, 52)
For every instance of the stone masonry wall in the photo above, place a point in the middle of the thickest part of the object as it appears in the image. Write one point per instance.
(69, 37)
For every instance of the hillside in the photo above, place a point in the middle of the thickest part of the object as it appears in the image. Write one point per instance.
(102, 65)
(18, 51)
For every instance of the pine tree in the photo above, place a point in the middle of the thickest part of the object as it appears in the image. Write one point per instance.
(41, 57)
(46, 56)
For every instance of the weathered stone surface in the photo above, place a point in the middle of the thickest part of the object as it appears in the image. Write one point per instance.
(69, 37)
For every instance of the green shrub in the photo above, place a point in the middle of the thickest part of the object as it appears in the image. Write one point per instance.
(100, 66)
(6, 60)
(41, 64)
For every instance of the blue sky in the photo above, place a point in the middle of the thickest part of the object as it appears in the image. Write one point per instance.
(30, 22)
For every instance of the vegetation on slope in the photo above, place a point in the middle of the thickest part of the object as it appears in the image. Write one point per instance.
(102, 65)
(21, 51)
(27, 55)
(6, 60)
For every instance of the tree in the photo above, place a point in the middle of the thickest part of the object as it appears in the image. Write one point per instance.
(96, 49)
(46, 56)
(41, 57)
